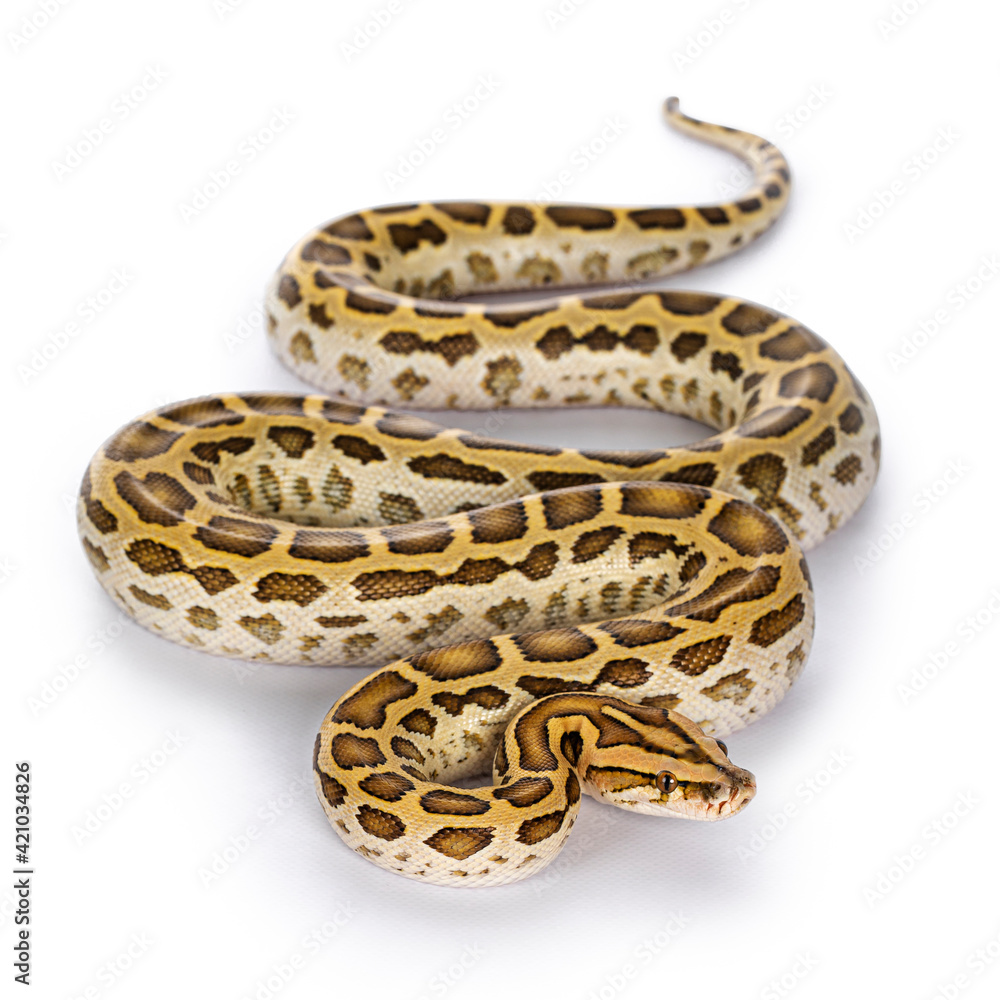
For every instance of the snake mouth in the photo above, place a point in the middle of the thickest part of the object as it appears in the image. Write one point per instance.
(739, 796)
(740, 792)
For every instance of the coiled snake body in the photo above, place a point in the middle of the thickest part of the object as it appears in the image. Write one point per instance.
(593, 603)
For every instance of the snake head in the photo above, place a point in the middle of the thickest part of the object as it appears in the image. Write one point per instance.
(676, 770)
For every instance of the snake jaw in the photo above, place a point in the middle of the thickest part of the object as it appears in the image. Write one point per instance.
(741, 793)
(738, 789)
(710, 802)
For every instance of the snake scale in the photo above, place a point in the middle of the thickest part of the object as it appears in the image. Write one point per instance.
(580, 621)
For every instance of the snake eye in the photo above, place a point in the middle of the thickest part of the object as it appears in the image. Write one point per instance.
(666, 782)
(723, 747)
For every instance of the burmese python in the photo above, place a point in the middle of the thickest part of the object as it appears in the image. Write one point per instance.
(600, 600)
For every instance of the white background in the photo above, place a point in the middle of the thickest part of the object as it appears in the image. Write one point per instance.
(821, 906)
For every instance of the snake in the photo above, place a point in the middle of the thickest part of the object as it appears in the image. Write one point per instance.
(550, 622)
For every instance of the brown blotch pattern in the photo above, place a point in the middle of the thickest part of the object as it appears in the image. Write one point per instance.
(502, 378)
(419, 538)
(736, 686)
(204, 618)
(764, 474)
(443, 466)
(658, 218)
(274, 404)
(419, 721)
(293, 441)
(696, 659)
(205, 412)
(505, 523)
(452, 347)
(699, 474)
(366, 708)
(200, 474)
(726, 361)
(650, 545)
(689, 303)
(386, 786)
(462, 660)
(851, 420)
(317, 315)
(470, 212)
(341, 621)
(351, 227)
(687, 345)
(847, 470)
(333, 791)
(653, 501)
(394, 508)
(534, 831)
(486, 696)
(626, 673)
(153, 600)
(732, 587)
(384, 584)
(266, 629)
(406, 238)
(404, 425)
(525, 791)
(98, 515)
(445, 801)
(325, 253)
(359, 448)
(746, 528)
(546, 481)
(632, 632)
(300, 588)
(771, 627)
(791, 345)
(581, 216)
(208, 451)
(328, 546)
(231, 534)
(380, 823)
(593, 544)
(557, 645)
(139, 440)
(714, 215)
(288, 291)
(570, 507)
(819, 446)
(558, 340)
(350, 751)
(155, 558)
(774, 423)
(815, 381)
(747, 319)
(460, 842)
(402, 747)
(518, 220)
